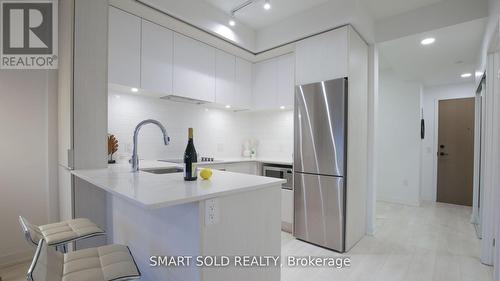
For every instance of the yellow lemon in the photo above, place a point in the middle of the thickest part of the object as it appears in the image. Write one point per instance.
(206, 173)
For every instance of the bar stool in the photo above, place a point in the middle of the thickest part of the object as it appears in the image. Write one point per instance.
(61, 233)
(106, 263)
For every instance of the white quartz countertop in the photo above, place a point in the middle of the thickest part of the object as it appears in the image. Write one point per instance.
(153, 191)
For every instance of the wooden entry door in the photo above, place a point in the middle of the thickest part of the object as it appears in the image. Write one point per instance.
(455, 151)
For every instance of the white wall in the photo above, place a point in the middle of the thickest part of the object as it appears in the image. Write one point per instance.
(429, 146)
(274, 131)
(398, 140)
(28, 149)
(217, 133)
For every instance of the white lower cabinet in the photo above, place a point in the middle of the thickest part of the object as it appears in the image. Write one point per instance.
(250, 168)
(243, 167)
(287, 210)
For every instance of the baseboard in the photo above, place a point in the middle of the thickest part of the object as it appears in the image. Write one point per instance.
(400, 202)
(15, 258)
(286, 226)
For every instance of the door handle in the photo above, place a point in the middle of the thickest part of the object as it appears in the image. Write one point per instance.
(443, 154)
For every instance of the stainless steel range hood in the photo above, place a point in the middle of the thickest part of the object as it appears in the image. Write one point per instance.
(183, 99)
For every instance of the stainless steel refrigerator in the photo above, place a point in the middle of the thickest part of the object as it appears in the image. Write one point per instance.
(320, 129)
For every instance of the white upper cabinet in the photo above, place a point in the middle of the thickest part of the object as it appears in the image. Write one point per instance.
(265, 85)
(274, 83)
(124, 62)
(225, 90)
(322, 57)
(194, 69)
(286, 80)
(156, 59)
(243, 83)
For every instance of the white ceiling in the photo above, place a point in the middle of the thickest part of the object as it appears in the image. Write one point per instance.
(455, 51)
(256, 17)
(385, 8)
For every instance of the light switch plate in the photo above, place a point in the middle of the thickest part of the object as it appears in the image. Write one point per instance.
(211, 211)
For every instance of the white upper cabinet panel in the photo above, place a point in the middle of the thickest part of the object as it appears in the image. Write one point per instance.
(243, 83)
(124, 48)
(156, 59)
(265, 85)
(194, 69)
(322, 57)
(225, 90)
(286, 80)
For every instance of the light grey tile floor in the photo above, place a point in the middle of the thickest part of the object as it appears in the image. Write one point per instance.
(432, 242)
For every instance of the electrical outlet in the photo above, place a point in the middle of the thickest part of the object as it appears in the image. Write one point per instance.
(211, 212)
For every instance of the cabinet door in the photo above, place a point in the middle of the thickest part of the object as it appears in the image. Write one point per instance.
(265, 86)
(243, 83)
(194, 69)
(124, 48)
(243, 168)
(286, 80)
(156, 59)
(224, 78)
(322, 57)
(287, 206)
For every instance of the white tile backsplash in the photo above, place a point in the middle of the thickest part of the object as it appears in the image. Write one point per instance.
(217, 133)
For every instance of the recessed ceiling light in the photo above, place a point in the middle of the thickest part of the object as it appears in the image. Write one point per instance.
(428, 41)
(466, 75)
(479, 73)
(232, 20)
(134, 90)
(267, 5)
(282, 107)
(228, 106)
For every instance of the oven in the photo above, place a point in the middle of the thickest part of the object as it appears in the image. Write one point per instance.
(280, 172)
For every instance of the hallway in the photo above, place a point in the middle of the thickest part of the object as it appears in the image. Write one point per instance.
(432, 242)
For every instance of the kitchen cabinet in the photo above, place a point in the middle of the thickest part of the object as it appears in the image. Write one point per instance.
(273, 84)
(225, 90)
(124, 49)
(251, 167)
(243, 83)
(336, 54)
(265, 85)
(243, 167)
(194, 69)
(156, 59)
(286, 210)
(322, 57)
(286, 80)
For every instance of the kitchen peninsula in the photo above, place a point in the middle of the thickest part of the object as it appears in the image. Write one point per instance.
(156, 213)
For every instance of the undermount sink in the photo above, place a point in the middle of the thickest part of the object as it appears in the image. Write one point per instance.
(160, 171)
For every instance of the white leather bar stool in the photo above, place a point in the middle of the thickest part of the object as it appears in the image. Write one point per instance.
(61, 233)
(106, 263)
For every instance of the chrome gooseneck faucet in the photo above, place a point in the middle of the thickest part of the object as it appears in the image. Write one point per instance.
(166, 139)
